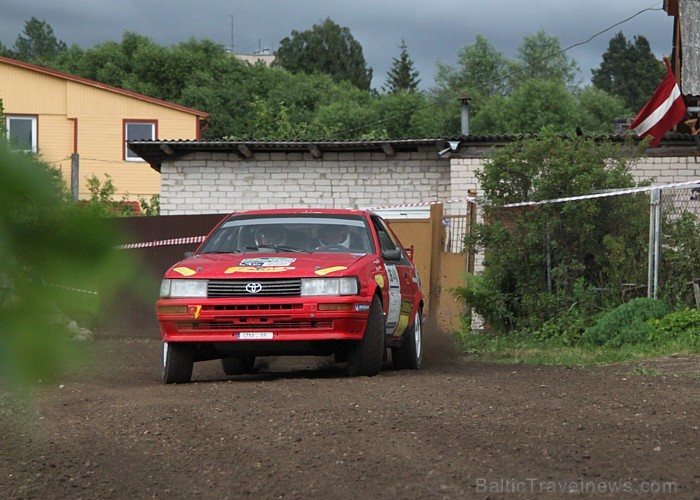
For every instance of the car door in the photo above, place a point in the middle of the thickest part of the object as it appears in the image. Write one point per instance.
(403, 280)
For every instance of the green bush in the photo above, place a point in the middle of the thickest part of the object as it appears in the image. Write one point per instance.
(535, 258)
(626, 324)
(683, 326)
(679, 259)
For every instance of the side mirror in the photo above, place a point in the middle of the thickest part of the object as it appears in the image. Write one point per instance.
(394, 254)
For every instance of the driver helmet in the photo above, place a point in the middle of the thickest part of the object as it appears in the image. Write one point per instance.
(269, 235)
(333, 235)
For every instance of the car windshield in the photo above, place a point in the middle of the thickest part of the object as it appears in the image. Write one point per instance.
(294, 233)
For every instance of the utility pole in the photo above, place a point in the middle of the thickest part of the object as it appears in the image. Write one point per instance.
(75, 176)
(231, 16)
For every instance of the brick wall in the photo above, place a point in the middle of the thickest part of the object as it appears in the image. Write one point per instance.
(662, 170)
(207, 182)
(668, 169)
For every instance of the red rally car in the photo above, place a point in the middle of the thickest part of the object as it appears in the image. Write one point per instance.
(292, 282)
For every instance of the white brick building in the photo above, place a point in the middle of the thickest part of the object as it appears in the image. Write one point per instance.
(199, 177)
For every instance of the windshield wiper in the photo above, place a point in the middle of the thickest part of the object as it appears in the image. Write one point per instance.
(220, 251)
(280, 248)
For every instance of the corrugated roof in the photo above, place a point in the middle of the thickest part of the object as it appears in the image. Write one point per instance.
(155, 152)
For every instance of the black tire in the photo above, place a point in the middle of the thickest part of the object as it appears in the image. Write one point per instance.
(238, 366)
(366, 357)
(177, 363)
(409, 355)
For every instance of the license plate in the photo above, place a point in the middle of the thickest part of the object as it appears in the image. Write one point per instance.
(254, 335)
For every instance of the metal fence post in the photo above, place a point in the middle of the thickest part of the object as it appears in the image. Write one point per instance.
(654, 242)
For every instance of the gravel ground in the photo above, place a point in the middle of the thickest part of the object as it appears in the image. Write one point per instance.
(299, 428)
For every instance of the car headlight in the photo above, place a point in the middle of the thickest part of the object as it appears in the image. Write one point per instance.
(180, 289)
(329, 286)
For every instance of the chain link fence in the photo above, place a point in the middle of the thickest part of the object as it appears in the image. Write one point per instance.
(670, 255)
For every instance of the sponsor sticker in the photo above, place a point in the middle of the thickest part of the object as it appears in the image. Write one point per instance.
(262, 265)
(394, 309)
(328, 270)
(250, 269)
(185, 271)
(267, 262)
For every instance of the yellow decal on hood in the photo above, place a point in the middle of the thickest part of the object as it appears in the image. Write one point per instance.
(197, 310)
(249, 269)
(328, 270)
(185, 271)
(379, 279)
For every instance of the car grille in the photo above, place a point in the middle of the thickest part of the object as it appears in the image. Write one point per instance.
(235, 325)
(252, 307)
(250, 288)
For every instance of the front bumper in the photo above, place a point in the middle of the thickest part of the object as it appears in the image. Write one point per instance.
(265, 320)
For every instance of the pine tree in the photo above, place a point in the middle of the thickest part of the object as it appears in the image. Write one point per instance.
(402, 77)
(629, 71)
(38, 42)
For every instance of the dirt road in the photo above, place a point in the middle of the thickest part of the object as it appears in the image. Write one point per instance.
(300, 429)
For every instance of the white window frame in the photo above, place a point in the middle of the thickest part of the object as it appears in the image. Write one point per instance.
(128, 154)
(8, 126)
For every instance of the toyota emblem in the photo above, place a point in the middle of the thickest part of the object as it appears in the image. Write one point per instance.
(253, 287)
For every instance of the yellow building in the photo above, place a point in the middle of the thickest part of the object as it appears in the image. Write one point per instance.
(70, 121)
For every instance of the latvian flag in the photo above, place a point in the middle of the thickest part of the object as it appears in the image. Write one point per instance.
(663, 111)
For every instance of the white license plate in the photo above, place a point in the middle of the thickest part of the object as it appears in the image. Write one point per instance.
(254, 335)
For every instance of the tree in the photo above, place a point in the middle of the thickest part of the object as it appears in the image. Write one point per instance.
(596, 109)
(325, 48)
(629, 70)
(532, 105)
(5, 52)
(402, 77)
(556, 260)
(480, 72)
(38, 43)
(540, 57)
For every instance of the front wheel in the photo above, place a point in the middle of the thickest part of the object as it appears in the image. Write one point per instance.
(367, 355)
(177, 363)
(238, 366)
(409, 355)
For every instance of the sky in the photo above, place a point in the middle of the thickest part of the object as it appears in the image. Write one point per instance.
(433, 30)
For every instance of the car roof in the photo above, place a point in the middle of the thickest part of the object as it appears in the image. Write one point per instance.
(299, 211)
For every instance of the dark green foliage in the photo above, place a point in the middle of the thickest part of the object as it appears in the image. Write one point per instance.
(540, 262)
(680, 258)
(37, 43)
(326, 48)
(319, 87)
(629, 71)
(49, 248)
(626, 324)
(402, 76)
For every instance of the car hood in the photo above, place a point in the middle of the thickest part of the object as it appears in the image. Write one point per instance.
(265, 265)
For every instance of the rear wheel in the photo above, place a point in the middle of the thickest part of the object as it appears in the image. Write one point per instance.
(177, 363)
(238, 366)
(366, 357)
(409, 355)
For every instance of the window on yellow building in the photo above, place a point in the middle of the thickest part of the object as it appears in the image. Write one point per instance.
(22, 132)
(137, 130)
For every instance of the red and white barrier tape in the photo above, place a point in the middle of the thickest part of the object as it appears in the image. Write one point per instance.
(161, 243)
(421, 204)
(72, 289)
(675, 185)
